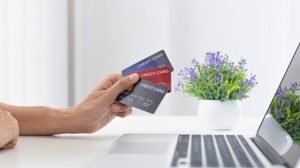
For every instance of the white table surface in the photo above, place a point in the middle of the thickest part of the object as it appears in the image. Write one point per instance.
(76, 151)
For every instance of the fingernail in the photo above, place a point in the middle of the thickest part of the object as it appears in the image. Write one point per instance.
(134, 77)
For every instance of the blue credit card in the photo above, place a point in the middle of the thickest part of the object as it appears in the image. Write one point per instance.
(145, 95)
(156, 60)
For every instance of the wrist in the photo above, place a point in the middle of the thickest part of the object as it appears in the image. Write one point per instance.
(65, 120)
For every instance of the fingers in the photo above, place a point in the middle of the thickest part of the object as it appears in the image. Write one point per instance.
(121, 110)
(116, 108)
(123, 114)
(109, 81)
(4, 113)
(121, 85)
(105, 84)
(9, 130)
(11, 144)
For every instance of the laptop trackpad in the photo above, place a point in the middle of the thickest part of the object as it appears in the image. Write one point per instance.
(139, 148)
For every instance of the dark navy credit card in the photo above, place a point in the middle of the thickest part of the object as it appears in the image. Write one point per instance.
(145, 95)
(156, 60)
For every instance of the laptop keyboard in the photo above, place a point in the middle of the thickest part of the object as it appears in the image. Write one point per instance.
(224, 151)
(238, 151)
(250, 151)
(210, 151)
(196, 154)
(181, 149)
(214, 151)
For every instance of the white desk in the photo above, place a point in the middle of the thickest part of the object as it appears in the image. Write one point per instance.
(76, 151)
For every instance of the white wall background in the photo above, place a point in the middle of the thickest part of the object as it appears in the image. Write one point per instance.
(33, 52)
(113, 34)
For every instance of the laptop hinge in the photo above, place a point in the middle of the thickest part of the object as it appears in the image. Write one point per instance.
(268, 151)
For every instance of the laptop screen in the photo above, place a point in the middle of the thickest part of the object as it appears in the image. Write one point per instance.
(281, 125)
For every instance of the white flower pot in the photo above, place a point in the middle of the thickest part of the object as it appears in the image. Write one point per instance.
(219, 115)
(275, 135)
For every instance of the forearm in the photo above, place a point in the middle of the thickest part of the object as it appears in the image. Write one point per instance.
(40, 120)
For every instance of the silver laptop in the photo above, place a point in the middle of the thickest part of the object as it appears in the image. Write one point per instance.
(272, 146)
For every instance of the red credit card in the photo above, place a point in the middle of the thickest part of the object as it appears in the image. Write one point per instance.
(161, 75)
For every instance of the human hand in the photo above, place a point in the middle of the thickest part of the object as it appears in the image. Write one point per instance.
(99, 108)
(9, 130)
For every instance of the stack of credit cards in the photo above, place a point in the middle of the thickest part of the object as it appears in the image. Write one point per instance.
(155, 82)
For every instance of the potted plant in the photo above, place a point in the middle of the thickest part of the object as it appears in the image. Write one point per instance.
(285, 108)
(220, 85)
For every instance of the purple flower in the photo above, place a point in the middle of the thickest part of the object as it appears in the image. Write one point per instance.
(242, 64)
(294, 87)
(218, 79)
(243, 95)
(231, 67)
(180, 86)
(251, 82)
(188, 73)
(195, 61)
(214, 59)
(204, 70)
(280, 93)
(280, 113)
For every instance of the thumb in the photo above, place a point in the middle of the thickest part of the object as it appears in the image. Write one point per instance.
(121, 85)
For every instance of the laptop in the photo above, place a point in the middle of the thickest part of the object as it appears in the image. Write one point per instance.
(271, 147)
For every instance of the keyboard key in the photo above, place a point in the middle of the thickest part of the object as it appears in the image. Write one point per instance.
(250, 151)
(224, 151)
(181, 149)
(196, 158)
(238, 151)
(210, 151)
